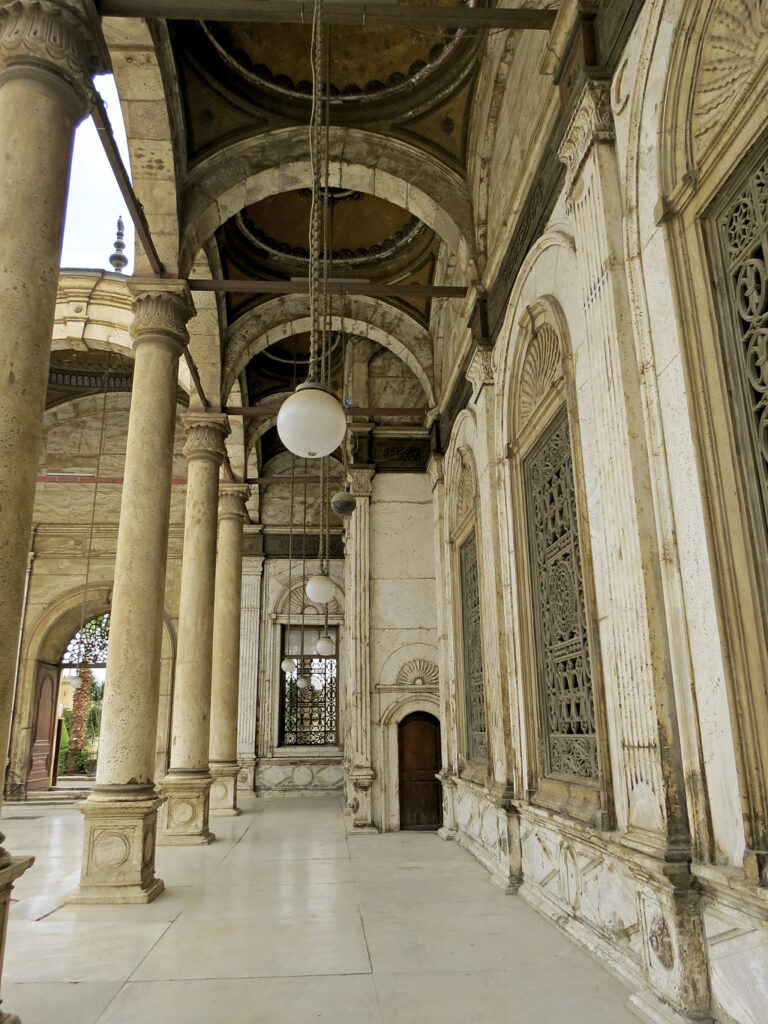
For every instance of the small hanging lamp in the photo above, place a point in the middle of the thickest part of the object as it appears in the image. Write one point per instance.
(288, 665)
(343, 503)
(302, 682)
(319, 589)
(325, 646)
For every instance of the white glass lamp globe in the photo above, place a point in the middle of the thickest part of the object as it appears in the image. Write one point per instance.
(288, 665)
(302, 682)
(343, 503)
(311, 422)
(325, 646)
(319, 589)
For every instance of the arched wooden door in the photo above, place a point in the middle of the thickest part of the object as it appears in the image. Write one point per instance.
(419, 756)
(44, 736)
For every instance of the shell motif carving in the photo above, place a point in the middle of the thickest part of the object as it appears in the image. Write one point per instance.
(542, 369)
(465, 492)
(735, 47)
(418, 672)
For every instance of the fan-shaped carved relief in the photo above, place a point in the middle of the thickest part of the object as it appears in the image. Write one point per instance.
(542, 369)
(734, 49)
(418, 672)
(465, 491)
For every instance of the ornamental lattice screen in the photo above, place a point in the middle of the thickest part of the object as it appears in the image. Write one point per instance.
(743, 230)
(474, 686)
(562, 652)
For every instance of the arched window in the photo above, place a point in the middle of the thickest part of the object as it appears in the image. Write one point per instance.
(562, 699)
(464, 538)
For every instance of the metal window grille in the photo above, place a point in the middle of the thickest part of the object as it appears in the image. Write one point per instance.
(564, 688)
(89, 645)
(474, 686)
(309, 716)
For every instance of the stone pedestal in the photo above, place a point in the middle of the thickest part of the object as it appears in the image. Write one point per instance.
(185, 821)
(119, 847)
(188, 782)
(11, 868)
(121, 812)
(225, 676)
(224, 788)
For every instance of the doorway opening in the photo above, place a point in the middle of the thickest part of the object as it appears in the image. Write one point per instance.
(418, 736)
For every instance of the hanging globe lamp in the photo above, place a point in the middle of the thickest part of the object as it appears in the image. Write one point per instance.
(319, 589)
(302, 682)
(343, 503)
(288, 665)
(311, 422)
(325, 646)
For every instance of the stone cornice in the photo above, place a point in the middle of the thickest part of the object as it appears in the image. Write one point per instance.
(161, 314)
(592, 122)
(205, 436)
(59, 38)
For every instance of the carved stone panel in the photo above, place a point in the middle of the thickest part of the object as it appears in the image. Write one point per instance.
(474, 687)
(569, 742)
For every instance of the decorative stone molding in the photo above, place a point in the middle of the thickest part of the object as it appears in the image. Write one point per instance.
(360, 482)
(464, 499)
(592, 122)
(660, 941)
(205, 436)
(542, 370)
(232, 501)
(480, 370)
(62, 39)
(161, 313)
(418, 672)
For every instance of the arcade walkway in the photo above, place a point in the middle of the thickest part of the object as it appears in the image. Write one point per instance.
(284, 921)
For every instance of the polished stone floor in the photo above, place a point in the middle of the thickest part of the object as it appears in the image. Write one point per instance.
(284, 921)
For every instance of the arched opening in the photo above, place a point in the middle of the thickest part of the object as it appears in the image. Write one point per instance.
(418, 736)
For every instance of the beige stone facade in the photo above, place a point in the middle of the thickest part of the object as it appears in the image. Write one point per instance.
(557, 555)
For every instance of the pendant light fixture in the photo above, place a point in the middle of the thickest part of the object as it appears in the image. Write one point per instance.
(288, 664)
(311, 422)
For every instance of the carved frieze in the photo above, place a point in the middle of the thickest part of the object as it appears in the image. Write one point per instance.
(660, 941)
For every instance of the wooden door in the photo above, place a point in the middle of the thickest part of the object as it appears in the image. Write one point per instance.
(44, 727)
(419, 755)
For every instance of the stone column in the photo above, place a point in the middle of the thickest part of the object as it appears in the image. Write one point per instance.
(357, 760)
(47, 56)
(188, 782)
(250, 644)
(225, 672)
(121, 812)
(648, 770)
(448, 767)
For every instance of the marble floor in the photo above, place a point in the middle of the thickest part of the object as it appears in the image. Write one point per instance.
(284, 921)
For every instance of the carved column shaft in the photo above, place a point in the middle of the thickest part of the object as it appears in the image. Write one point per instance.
(358, 620)
(447, 753)
(121, 813)
(225, 670)
(188, 782)
(633, 634)
(250, 640)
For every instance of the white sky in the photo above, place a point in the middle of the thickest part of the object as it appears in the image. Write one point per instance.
(95, 202)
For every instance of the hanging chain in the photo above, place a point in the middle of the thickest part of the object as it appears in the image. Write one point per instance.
(303, 570)
(290, 542)
(315, 216)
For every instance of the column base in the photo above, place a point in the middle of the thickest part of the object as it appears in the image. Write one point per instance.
(446, 833)
(223, 801)
(119, 847)
(185, 820)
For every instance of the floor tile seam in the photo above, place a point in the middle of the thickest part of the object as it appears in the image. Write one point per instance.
(239, 977)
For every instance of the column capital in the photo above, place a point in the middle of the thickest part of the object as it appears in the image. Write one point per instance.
(57, 39)
(161, 313)
(435, 468)
(232, 499)
(480, 370)
(205, 435)
(592, 122)
(360, 481)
